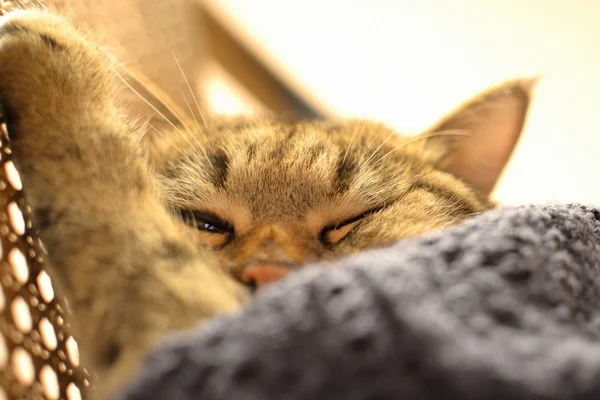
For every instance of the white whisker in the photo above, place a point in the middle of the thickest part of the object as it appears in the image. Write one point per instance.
(380, 146)
(192, 112)
(147, 101)
(198, 147)
(191, 90)
(167, 120)
(170, 142)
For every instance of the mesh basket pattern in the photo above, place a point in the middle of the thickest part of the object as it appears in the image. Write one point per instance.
(38, 357)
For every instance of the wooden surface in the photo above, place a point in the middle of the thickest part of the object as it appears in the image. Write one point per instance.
(253, 67)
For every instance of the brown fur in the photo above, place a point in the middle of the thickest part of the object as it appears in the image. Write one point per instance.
(132, 271)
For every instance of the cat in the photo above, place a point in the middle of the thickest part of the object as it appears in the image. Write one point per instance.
(148, 234)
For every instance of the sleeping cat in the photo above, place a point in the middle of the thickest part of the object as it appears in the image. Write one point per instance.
(147, 235)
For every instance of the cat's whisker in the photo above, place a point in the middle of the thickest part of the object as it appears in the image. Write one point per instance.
(364, 175)
(375, 136)
(455, 132)
(166, 119)
(170, 142)
(191, 91)
(199, 145)
(189, 106)
(380, 146)
(147, 102)
(189, 88)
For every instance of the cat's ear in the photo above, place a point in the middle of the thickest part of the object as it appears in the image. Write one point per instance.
(475, 142)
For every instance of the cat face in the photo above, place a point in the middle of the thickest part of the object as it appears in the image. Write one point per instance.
(271, 196)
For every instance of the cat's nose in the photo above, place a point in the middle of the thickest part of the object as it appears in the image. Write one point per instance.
(261, 273)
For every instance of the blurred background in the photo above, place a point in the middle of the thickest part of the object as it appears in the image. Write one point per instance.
(404, 62)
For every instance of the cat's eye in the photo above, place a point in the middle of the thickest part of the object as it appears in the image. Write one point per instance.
(210, 223)
(333, 234)
(212, 230)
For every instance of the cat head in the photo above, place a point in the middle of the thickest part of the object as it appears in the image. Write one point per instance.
(271, 196)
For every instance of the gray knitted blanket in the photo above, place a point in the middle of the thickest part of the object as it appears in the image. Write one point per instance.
(505, 306)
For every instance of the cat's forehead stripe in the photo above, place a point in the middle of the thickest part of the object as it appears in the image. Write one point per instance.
(313, 153)
(279, 151)
(219, 167)
(251, 151)
(345, 171)
(292, 132)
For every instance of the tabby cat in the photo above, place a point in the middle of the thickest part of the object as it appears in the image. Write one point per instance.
(140, 230)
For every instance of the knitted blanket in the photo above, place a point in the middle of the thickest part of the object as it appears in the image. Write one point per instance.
(504, 306)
